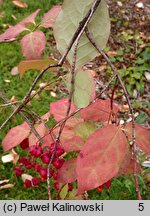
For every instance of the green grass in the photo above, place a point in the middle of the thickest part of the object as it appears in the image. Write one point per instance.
(10, 55)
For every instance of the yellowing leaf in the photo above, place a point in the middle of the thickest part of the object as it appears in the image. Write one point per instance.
(38, 64)
(68, 21)
(63, 192)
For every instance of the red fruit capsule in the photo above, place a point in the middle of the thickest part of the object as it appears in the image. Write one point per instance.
(56, 185)
(36, 151)
(70, 187)
(108, 184)
(45, 158)
(43, 173)
(36, 181)
(57, 163)
(24, 144)
(27, 184)
(55, 176)
(18, 171)
(100, 188)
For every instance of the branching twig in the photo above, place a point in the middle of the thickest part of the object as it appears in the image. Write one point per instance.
(129, 104)
(23, 116)
(60, 63)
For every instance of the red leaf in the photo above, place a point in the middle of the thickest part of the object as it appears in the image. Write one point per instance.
(33, 44)
(31, 17)
(41, 129)
(15, 136)
(100, 158)
(67, 173)
(142, 136)
(12, 32)
(59, 108)
(49, 18)
(74, 143)
(127, 165)
(99, 111)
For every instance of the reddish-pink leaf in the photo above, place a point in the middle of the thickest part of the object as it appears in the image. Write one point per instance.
(142, 136)
(33, 44)
(99, 111)
(59, 109)
(127, 165)
(67, 173)
(49, 18)
(100, 158)
(31, 17)
(74, 143)
(11, 33)
(15, 136)
(41, 129)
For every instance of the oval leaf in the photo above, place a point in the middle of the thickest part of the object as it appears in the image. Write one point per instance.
(142, 136)
(49, 18)
(33, 44)
(99, 111)
(15, 136)
(100, 158)
(68, 21)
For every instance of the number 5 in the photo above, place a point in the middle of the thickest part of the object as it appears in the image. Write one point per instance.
(141, 206)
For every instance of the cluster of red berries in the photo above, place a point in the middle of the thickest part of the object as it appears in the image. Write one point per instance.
(107, 184)
(38, 160)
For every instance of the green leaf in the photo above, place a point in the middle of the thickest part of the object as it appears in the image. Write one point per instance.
(63, 192)
(85, 129)
(84, 90)
(68, 21)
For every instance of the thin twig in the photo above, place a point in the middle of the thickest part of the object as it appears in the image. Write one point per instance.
(23, 116)
(75, 40)
(129, 104)
(60, 63)
(10, 104)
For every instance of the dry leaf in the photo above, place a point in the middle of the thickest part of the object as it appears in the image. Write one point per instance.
(123, 108)
(14, 71)
(140, 5)
(4, 181)
(26, 176)
(53, 94)
(13, 99)
(20, 4)
(6, 186)
(11, 157)
(7, 81)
